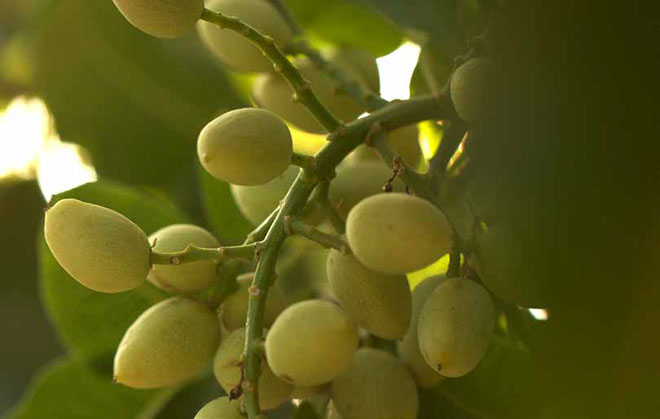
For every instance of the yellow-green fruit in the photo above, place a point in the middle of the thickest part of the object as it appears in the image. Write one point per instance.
(221, 408)
(272, 92)
(396, 233)
(376, 386)
(185, 278)
(358, 63)
(227, 369)
(455, 326)
(257, 202)
(233, 48)
(311, 343)
(358, 180)
(234, 308)
(408, 347)
(169, 343)
(471, 88)
(245, 146)
(405, 141)
(162, 18)
(377, 302)
(98, 247)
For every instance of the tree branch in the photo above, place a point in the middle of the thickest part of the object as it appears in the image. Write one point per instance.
(193, 253)
(328, 241)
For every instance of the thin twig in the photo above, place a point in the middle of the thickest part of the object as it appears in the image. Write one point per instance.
(193, 253)
(329, 241)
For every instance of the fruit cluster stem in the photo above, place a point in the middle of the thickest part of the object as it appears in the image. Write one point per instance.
(193, 253)
(328, 241)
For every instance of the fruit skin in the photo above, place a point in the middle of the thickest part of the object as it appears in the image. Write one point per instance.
(169, 343)
(162, 18)
(245, 146)
(377, 302)
(455, 326)
(405, 141)
(358, 63)
(221, 408)
(186, 278)
(396, 233)
(234, 309)
(232, 48)
(98, 247)
(226, 367)
(311, 343)
(471, 88)
(408, 347)
(376, 386)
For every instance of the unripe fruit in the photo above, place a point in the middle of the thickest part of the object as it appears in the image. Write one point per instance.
(311, 343)
(257, 202)
(377, 385)
(227, 369)
(471, 89)
(245, 146)
(408, 347)
(169, 343)
(162, 18)
(377, 302)
(185, 278)
(405, 141)
(98, 247)
(233, 48)
(455, 326)
(396, 233)
(234, 308)
(358, 63)
(221, 408)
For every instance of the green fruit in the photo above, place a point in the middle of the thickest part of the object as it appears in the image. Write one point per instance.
(311, 343)
(245, 146)
(408, 347)
(358, 180)
(396, 233)
(377, 385)
(169, 343)
(234, 49)
(221, 408)
(227, 369)
(377, 302)
(471, 89)
(234, 308)
(98, 247)
(186, 278)
(455, 326)
(405, 141)
(358, 63)
(162, 18)
(257, 202)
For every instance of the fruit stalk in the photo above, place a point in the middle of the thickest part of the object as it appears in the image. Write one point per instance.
(193, 253)
(329, 241)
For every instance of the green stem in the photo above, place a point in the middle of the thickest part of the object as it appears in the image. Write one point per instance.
(303, 161)
(193, 253)
(288, 17)
(329, 241)
(322, 198)
(452, 135)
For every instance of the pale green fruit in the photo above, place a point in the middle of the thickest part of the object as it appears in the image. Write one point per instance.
(234, 308)
(185, 278)
(221, 408)
(379, 303)
(311, 343)
(245, 146)
(405, 141)
(471, 88)
(358, 63)
(227, 369)
(408, 347)
(455, 326)
(396, 233)
(257, 202)
(162, 18)
(234, 49)
(377, 385)
(169, 343)
(358, 180)
(98, 247)
(272, 92)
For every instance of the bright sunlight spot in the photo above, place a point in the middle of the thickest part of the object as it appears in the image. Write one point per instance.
(63, 166)
(396, 70)
(540, 314)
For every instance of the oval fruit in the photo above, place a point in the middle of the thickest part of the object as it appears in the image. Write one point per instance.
(471, 88)
(456, 326)
(169, 343)
(162, 18)
(377, 302)
(358, 63)
(98, 247)
(234, 49)
(185, 278)
(408, 347)
(234, 308)
(221, 408)
(405, 141)
(311, 343)
(377, 385)
(245, 146)
(257, 202)
(227, 369)
(396, 233)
